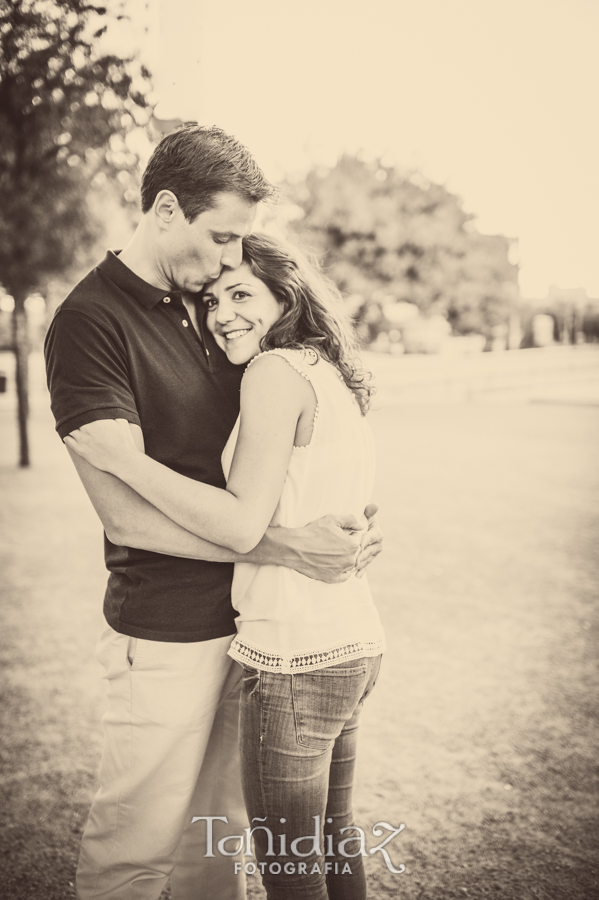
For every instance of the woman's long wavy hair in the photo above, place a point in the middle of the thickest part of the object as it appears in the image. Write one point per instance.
(314, 313)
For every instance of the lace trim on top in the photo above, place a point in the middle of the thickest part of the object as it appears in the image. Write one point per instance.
(310, 355)
(303, 662)
(288, 354)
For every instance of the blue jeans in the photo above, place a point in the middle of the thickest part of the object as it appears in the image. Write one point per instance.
(298, 748)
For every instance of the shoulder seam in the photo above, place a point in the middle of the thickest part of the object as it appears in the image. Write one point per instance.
(110, 333)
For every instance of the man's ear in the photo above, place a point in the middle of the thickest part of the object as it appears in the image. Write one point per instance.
(166, 206)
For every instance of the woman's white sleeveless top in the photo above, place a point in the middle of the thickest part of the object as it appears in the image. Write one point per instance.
(288, 622)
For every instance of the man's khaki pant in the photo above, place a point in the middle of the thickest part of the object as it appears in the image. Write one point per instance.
(170, 753)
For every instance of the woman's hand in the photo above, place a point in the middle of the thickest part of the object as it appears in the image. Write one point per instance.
(106, 443)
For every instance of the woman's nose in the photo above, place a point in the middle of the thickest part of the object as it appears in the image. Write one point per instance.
(225, 312)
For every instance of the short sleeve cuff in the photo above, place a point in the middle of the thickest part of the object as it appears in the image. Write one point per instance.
(93, 415)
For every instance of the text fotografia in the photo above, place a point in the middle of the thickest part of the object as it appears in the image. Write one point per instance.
(290, 868)
(348, 848)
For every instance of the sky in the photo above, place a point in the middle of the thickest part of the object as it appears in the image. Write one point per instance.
(496, 99)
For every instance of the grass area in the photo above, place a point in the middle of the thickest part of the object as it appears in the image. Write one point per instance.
(482, 734)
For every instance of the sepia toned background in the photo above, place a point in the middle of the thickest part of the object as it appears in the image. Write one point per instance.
(440, 158)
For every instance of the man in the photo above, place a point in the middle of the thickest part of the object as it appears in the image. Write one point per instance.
(125, 345)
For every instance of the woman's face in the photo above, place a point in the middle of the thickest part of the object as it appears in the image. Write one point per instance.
(241, 309)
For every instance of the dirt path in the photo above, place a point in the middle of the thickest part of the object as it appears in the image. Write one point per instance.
(482, 734)
(488, 709)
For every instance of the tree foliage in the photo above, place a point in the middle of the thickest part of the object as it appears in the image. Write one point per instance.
(62, 104)
(386, 235)
(67, 107)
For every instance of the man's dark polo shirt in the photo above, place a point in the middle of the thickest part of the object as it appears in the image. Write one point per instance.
(120, 348)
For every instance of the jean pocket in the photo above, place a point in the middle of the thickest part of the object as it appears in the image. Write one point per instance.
(323, 701)
(250, 680)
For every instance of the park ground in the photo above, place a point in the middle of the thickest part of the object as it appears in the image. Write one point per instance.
(482, 735)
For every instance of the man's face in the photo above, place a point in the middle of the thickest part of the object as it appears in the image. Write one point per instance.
(193, 253)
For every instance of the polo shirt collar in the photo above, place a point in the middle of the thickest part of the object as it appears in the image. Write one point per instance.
(124, 277)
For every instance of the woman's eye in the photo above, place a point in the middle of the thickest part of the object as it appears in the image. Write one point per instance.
(240, 295)
(210, 303)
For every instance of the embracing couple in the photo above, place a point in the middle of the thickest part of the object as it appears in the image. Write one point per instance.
(205, 382)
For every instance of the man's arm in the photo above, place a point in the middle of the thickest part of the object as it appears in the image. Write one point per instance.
(130, 521)
(325, 549)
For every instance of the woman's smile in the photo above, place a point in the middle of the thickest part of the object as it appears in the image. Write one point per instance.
(233, 335)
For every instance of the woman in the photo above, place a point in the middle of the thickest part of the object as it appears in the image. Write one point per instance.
(310, 651)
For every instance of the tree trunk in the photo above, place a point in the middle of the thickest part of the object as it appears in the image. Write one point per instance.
(21, 351)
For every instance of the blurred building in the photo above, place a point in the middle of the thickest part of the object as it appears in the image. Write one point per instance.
(564, 316)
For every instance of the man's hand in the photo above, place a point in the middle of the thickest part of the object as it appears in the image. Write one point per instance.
(325, 549)
(372, 541)
(329, 549)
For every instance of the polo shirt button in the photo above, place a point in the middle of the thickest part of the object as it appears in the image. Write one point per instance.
(185, 323)
(167, 299)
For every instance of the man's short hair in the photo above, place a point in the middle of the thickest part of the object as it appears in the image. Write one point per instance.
(196, 163)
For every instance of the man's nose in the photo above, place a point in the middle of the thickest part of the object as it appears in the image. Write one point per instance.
(232, 254)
